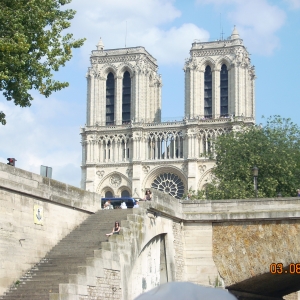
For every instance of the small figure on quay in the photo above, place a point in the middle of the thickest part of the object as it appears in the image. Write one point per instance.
(188, 196)
(123, 205)
(298, 193)
(148, 195)
(115, 230)
(136, 205)
(108, 205)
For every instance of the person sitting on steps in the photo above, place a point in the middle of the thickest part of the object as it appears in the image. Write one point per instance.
(148, 195)
(116, 229)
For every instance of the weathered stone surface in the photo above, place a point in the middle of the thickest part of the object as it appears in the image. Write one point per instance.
(24, 243)
(244, 251)
(162, 240)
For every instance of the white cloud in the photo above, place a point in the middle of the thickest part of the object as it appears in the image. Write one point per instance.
(34, 136)
(149, 24)
(293, 4)
(257, 21)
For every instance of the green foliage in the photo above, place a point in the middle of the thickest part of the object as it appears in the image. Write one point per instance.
(193, 195)
(274, 149)
(32, 46)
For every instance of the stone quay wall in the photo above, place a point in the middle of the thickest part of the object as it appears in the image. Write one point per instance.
(26, 234)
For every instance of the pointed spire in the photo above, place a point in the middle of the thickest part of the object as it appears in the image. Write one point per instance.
(235, 34)
(100, 45)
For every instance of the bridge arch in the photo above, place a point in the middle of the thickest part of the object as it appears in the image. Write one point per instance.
(150, 247)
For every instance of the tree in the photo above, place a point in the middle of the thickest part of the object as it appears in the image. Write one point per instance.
(274, 149)
(32, 46)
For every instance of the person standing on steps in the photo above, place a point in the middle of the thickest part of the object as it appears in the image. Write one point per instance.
(116, 229)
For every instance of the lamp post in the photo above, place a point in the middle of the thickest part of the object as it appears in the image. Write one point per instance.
(255, 175)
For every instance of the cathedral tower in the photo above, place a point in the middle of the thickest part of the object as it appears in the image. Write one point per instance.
(123, 86)
(219, 79)
(125, 146)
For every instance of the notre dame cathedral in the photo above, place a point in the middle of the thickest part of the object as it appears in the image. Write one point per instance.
(126, 148)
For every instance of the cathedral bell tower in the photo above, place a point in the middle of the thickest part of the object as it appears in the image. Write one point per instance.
(219, 80)
(123, 87)
(126, 149)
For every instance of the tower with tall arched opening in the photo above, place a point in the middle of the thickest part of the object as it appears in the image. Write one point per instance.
(125, 146)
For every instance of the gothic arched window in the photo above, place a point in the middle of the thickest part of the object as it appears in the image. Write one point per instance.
(125, 193)
(110, 99)
(224, 91)
(208, 92)
(109, 194)
(126, 98)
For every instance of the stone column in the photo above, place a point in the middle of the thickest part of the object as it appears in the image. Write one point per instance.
(155, 101)
(84, 158)
(146, 148)
(101, 117)
(174, 146)
(155, 148)
(96, 99)
(187, 91)
(118, 99)
(216, 92)
(106, 151)
(197, 146)
(188, 145)
(230, 91)
(125, 150)
(91, 100)
(192, 96)
(119, 151)
(101, 151)
(178, 146)
(252, 99)
(133, 97)
(158, 105)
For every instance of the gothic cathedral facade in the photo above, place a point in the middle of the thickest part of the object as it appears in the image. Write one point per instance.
(126, 148)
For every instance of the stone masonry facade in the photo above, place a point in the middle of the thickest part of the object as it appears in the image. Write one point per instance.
(107, 287)
(179, 251)
(126, 148)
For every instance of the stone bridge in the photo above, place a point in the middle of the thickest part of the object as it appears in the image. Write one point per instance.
(240, 240)
(224, 243)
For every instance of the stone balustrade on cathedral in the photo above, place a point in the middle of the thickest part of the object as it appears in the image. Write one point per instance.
(186, 139)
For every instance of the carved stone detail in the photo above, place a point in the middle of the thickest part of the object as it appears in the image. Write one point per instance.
(184, 168)
(146, 169)
(100, 173)
(202, 168)
(129, 172)
(213, 52)
(115, 180)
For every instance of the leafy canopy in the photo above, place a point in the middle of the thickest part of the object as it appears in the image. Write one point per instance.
(32, 46)
(274, 149)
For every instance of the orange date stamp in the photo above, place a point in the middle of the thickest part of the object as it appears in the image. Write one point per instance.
(293, 268)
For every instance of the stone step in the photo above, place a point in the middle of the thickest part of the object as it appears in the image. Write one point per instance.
(64, 259)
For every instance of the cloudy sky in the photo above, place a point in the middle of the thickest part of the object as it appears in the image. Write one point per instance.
(47, 133)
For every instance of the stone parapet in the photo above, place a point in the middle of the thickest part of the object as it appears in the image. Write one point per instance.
(46, 189)
(24, 240)
(241, 209)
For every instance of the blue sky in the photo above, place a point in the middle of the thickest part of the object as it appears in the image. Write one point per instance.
(47, 133)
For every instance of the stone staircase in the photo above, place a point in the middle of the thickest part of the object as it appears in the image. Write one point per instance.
(71, 252)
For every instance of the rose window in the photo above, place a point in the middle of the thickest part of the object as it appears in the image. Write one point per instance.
(170, 184)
